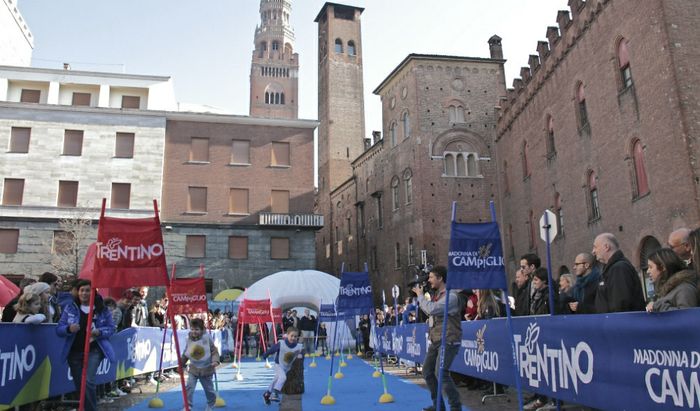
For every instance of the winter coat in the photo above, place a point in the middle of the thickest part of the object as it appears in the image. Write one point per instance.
(584, 291)
(619, 288)
(522, 299)
(678, 292)
(540, 302)
(101, 320)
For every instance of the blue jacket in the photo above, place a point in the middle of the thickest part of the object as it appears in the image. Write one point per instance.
(103, 322)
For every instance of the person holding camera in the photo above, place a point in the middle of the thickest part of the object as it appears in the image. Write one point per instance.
(435, 309)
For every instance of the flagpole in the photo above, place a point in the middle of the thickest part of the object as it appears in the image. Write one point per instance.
(509, 321)
(438, 404)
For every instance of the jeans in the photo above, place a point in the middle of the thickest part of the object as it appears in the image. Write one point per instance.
(308, 340)
(75, 362)
(208, 385)
(430, 374)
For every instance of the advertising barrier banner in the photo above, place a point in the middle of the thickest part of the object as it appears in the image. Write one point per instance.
(188, 296)
(475, 257)
(355, 294)
(609, 361)
(32, 369)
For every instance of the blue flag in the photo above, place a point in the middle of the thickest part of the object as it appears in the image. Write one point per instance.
(326, 312)
(355, 295)
(476, 257)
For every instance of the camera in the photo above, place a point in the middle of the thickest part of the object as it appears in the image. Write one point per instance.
(420, 279)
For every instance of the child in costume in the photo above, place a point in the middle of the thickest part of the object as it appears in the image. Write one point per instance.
(286, 351)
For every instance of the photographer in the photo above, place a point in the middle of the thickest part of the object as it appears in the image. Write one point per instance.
(435, 308)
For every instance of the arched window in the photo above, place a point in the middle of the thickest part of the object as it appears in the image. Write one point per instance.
(338, 45)
(471, 165)
(275, 45)
(551, 151)
(262, 49)
(267, 98)
(558, 212)
(406, 125)
(277, 98)
(594, 207)
(581, 106)
(351, 48)
(281, 98)
(623, 59)
(641, 183)
(395, 193)
(461, 166)
(408, 185)
(456, 114)
(392, 132)
(449, 165)
(523, 157)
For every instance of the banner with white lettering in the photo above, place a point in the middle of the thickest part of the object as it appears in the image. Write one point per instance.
(31, 367)
(188, 296)
(355, 295)
(632, 361)
(475, 257)
(326, 313)
(255, 311)
(129, 253)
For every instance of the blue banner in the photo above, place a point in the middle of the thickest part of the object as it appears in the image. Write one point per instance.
(32, 369)
(355, 295)
(475, 257)
(326, 312)
(622, 361)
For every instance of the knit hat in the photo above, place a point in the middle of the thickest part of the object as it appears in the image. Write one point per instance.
(36, 288)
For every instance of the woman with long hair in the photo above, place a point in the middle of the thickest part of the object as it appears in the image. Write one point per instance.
(73, 326)
(675, 286)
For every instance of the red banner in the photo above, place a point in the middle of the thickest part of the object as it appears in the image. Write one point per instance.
(255, 311)
(130, 253)
(188, 296)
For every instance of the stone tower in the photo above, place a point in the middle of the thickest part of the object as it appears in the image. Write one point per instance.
(274, 79)
(341, 110)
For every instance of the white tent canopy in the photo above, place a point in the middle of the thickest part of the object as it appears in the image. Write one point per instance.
(307, 288)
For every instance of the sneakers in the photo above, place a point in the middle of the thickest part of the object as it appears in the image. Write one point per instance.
(119, 392)
(534, 404)
(274, 397)
(266, 397)
(429, 408)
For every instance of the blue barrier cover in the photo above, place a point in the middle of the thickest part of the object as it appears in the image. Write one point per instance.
(31, 368)
(618, 361)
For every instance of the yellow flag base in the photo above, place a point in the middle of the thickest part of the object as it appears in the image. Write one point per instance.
(155, 402)
(327, 400)
(339, 375)
(313, 364)
(328, 357)
(386, 398)
(376, 374)
(343, 364)
(349, 357)
(220, 403)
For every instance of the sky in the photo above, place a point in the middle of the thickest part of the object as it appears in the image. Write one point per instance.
(206, 45)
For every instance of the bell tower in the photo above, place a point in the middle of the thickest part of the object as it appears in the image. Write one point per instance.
(274, 71)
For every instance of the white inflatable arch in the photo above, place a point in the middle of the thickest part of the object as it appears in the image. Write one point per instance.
(300, 288)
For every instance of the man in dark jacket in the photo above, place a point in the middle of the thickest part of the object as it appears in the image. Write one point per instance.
(619, 288)
(587, 279)
(521, 293)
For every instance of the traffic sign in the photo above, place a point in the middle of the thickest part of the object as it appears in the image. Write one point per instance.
(551, 226)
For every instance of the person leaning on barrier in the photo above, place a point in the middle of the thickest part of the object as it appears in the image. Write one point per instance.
(620, 288)
(675, 286)
(586, 286)
(435, 308)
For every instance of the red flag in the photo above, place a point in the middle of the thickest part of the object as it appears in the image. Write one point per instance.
(255, 311)
(130, 253)
(188, 296)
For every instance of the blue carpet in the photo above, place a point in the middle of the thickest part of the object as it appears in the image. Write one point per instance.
(243, 395)
(357, 391)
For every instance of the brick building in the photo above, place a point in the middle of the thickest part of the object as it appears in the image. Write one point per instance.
(393, 200)
(601, 128)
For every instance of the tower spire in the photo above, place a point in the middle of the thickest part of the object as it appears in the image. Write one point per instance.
(274, 85)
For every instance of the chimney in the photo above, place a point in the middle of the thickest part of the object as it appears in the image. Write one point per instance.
(576, 6)
(525, 74)
(368, 142)
(543, 50)
(495, 47)
(66, 66)
(376, 135)
(563, 20)
(533, 62)
(552, 36)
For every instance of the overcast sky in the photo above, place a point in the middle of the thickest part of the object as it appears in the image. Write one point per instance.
(206, 45)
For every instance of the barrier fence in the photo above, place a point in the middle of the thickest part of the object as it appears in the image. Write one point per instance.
(609, 361)
(32, 369)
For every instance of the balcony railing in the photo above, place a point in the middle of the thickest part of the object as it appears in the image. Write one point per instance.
(292, 220)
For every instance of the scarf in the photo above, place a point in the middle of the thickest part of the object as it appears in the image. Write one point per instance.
(584, 281)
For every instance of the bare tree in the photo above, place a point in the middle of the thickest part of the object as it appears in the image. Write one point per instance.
(70, 243)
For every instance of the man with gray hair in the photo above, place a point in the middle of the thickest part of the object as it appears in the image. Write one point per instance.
(619, 289)
(678, 242)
